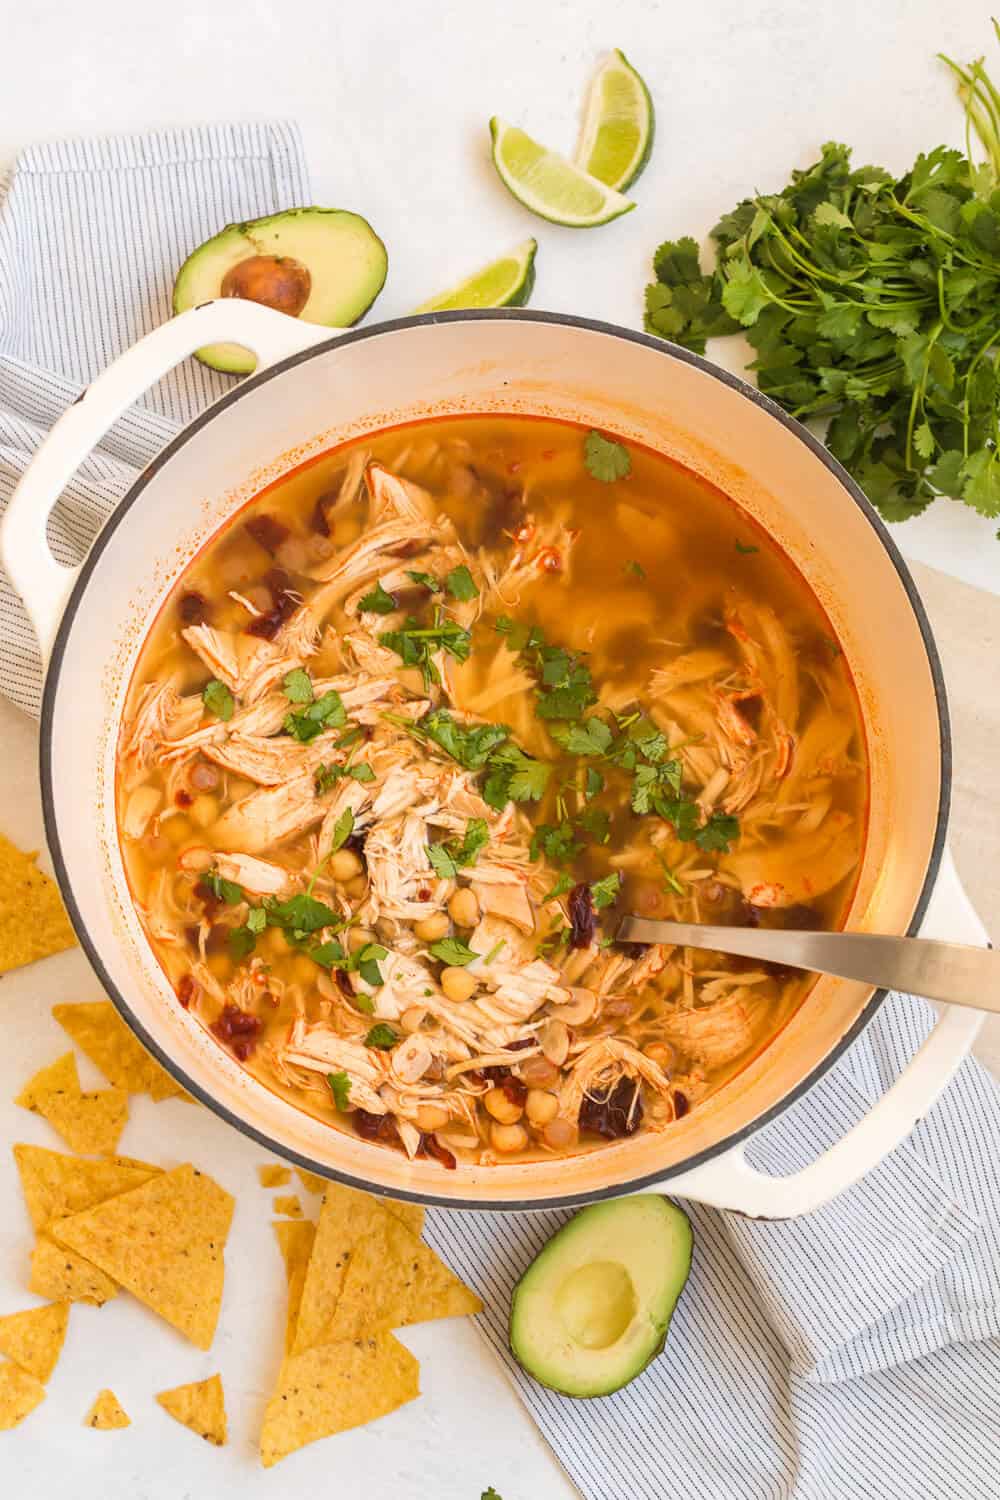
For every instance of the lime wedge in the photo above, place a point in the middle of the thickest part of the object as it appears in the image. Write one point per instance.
(548, 184)
(618, 125)
(506, 282)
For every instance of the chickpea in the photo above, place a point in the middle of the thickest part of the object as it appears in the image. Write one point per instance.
(458, 984)
(204, 811)
(539, 1073)
(220, 965)
(541, 1106)
(357, 887)
(429, 929)
(176, 829)
(276, 942)
(359, 937)
(345, 865)
(431, 1117)
(559, 1134)
(504, 1110)
(464, 908)
(508, 1138)
(411, 1020)
(304, 971)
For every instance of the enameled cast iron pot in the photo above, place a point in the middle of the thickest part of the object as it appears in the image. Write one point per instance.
(318, 390)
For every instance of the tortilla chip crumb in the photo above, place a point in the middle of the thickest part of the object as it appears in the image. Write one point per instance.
(164, 1242)
(290, 1206)
(271, 1176)
(20, 1393)
(62, 1275)
(107, 1412)
(334, 1387)
(33, 920)
(34, 1338)
(200, 1406)
(311, 1181)
(99, 1031)
(88, 1123)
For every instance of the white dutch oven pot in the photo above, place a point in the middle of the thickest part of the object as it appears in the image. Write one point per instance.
(317, 391)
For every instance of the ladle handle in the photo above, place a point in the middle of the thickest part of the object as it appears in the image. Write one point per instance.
(44, 584)
(729, 1181)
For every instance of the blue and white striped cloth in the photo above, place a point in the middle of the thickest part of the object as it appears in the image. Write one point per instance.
(854, 1353)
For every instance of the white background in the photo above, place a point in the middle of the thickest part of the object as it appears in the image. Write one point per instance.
(393, 97)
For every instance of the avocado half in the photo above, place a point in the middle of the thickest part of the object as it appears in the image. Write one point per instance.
(594, 1306)
(324, 265)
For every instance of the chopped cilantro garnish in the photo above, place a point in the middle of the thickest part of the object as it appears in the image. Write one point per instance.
(557, 937)
(593, 783)
(364, 1003)
(563, 884)
(298, 686)
(381, 1036)
(242, 941)
(460, 584)
(378, 602)
(596, 822)
(301, 914)
(415, 644)
(635, 568)
(218, 699)
(604, 892)
(591, 736)
(495, 951)
(448, 858)
(556, 841)
(515, 777)
(470, 744)
(605, 459)
(746, 551)
(222, 889)
(325, 777)
(718, 833)
(453, 951)
(366, 963)
(342, 830)
(340, 1088)
(670, 880)
(425, 580)
(323, 713)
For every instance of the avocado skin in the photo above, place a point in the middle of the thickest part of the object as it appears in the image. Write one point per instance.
(587, 1375)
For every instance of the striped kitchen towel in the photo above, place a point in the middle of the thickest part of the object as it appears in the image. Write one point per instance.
(853, 1353)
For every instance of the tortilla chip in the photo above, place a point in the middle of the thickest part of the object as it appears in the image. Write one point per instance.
(311, 1181)
(62, 1275)
(33, 1339)
(345, 1218)
(88, 1123)
(33, 921)
(295, 1240)
(200, 1406)
(334, 1387)
(410, 1214)
(394, 1279)
(20, 1393)
(290, 1205)
(99, 1031)
(164, 1243)
(273, 1176)
(55, 1185)
(107, 1412)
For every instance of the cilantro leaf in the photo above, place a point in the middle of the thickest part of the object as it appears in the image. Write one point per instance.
(556, 841)
(425, 580)
(604, 892)
(366, 962)
(222, 889)
(470, 744)
(635, 568)
(563, 884)
(325, 777)
(515, 777)
(605, 459)
(591, 736)
(719, 833)
(448, 858)
(340, 1088)
(301, 914)
(460, 584)
(298, 686)
(378, 602)
(381, 1036)
(242, 941)
(342, 830)
(745, 551)
(218, 700)
(416, 644)
(323, 713)
(453, 952)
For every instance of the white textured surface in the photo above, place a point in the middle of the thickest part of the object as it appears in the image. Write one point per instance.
(393, 100)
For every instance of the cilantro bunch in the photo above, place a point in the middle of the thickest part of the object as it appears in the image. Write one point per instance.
(872, 301)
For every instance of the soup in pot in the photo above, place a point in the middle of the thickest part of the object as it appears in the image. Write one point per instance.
(418, 727)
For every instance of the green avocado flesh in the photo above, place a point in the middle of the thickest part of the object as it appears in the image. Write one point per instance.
(344, 256)
(594, 1306)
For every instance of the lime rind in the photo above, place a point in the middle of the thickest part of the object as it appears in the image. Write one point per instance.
(618, 125)
(506, 282)
(550, 185)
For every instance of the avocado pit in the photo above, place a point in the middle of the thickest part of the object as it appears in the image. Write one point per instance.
(277, 281)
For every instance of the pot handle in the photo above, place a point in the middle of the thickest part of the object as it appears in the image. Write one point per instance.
(729, 1181)
(43, 584)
